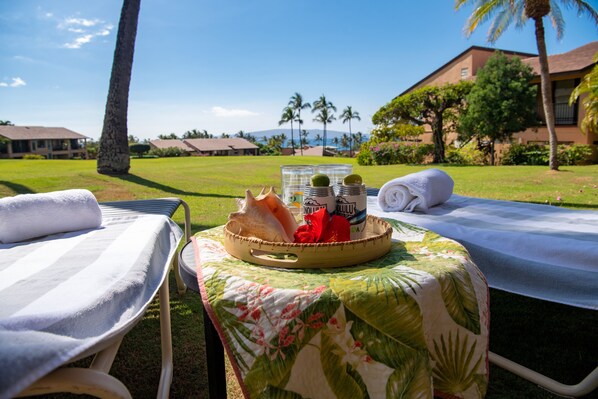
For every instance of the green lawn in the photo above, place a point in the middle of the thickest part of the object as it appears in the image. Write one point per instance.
(554, 339)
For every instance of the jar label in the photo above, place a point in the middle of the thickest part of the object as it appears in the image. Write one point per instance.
(354, 209)
(312, 203)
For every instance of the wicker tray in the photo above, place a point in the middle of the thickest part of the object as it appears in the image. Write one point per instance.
(322, 255)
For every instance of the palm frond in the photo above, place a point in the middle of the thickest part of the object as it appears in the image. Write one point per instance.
(556, 19)
(583, 7)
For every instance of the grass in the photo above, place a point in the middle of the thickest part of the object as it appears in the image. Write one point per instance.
(556, 340)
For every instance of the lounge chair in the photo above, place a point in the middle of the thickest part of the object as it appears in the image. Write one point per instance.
(539, 251)
(49, 318)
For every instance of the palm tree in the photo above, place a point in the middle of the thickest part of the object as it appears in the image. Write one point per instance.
(288, 115)
(346, 141)
(335, 141)
(113, 154)
(318, 138)
(300, 121)
(325, 116)
(357, 139)
(304, 135)
(506, 12)
(296, 102)
(347, 115)
(589, 86)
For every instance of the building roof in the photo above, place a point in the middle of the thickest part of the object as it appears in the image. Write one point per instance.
(38, 133)
(220, 144)
(462, 54)
(572, 61)
(163, 144)
(315, 151)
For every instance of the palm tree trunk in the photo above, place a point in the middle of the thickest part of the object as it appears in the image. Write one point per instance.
(350, 141)
(546, 93)
(113, 154)
(324, 141)
(292, 140)
(300, 135)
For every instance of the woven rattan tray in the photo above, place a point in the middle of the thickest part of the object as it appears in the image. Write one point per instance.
(321, 255)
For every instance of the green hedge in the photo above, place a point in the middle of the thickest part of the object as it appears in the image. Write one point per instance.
(392, 152)
(535, 154)
(168, 152)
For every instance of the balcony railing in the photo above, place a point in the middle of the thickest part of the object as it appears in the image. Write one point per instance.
(564, 114)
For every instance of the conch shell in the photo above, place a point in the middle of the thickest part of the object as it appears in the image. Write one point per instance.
(265, 217)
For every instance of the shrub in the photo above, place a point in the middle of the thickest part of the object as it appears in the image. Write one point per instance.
(576, 154)
(364, 157)
(139, 149)
(390, 153)
(469, 154)
(534, 154)
(33, 156)
(169, 152)
(522, 154)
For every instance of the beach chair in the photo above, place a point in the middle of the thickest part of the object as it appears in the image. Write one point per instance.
(134, 251)
(534, 250)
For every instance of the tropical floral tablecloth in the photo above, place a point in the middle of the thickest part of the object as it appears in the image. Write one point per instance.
(412, 324)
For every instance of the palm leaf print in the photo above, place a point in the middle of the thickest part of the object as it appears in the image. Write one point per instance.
(455, 369)
(341, 382)
(399, 317)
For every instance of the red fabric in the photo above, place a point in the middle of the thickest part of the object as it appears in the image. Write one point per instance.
(321, 227)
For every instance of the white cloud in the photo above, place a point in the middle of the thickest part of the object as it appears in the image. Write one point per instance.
(78, 42)
(16, 82)
(81, 22)
(231, 113)
(85, 30)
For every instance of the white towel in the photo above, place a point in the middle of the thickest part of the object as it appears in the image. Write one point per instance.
(27, 216)
(416, 191)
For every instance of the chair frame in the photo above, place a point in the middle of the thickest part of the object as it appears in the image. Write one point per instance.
(96, 380)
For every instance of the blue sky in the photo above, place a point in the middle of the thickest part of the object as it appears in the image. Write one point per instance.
(230, 65)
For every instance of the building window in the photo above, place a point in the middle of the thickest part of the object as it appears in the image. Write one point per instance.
(564, 114)
(464, 73)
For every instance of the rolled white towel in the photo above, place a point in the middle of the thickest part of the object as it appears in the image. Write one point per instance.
(416, 191)
(28, 216)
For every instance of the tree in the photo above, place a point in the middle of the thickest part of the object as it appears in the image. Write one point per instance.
(113, 154)
(396, 132)
(589, 86)
(324, 116)
(335, 141)
(304, 136)
(318, 138)
(358, 138)
(348, 115)
(197, 134)
(247, 136)
(501, 102)
(170, 136)
(6, 123)
(139, 149)
(296, 102)
(430, 105)
(288, 115)
(133, 139)
(505, 12)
